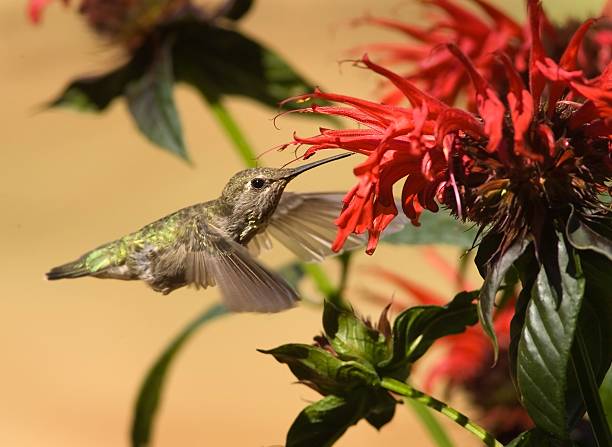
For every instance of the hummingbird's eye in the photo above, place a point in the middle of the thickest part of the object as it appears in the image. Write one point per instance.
(258, 183)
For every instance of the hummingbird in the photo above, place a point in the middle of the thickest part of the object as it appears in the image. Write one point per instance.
(216, 242)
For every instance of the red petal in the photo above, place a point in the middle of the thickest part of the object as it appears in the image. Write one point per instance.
(35, 9)
(536, 80)
(569, 60)
(453, 119)
(521, 107)
(490, 108)
(416, 96)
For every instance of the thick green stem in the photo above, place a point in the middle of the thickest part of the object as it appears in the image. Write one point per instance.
(590, 392)
(437, 433)
(403, 389)
(233, 131)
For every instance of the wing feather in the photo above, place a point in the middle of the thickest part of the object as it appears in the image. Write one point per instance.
(207, 258)
(304, 223)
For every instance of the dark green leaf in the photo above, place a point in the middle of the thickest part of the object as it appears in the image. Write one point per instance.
(487, 249)
(381, 408)
(152, 105)
(583, 237)
(527, 267)
(151, 389)
(416, 328)
(436, 228)
(544, 347)
(605, 393)
(322, 423)
(234, 9)
(351, 338)
(322, 371)
(516, 325)
(95, 93)
(493, 280)
(595, 321)
(534, 438)
(220, 62)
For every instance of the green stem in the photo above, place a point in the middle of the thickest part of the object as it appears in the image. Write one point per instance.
(323, 283)
(345, 263)
(590, 391)
(403, 389)
(435, 430)
(233, 131)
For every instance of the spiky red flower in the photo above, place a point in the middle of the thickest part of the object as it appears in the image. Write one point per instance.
(436, 70)
(523, 157)
(480, 37)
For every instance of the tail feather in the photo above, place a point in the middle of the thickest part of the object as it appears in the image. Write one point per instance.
(74, 269)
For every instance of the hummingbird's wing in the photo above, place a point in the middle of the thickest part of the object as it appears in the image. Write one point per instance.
(304, 223)
(208, 258)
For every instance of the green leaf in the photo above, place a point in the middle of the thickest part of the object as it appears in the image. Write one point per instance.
(605, 393)
(416, 328)
(583, 237)
(322, 371)
(527, 267)
(234, 9)
(534, 438)
(351, 338)
(220, 62)
(95, 93)
(436, 228)
(381, 408)
(151, 104)
(546, 340)
(151, 388)
(595, 322)
(487, 248)
(493, 280)
(436, 431)
(323, 422)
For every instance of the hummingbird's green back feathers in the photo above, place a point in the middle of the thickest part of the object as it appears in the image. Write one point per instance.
(112, 260)
(94, 262)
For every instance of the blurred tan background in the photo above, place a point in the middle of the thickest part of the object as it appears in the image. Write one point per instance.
(74, 352)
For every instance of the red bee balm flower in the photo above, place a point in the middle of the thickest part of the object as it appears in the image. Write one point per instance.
(512, 166)
(480, 38)
(436, 70)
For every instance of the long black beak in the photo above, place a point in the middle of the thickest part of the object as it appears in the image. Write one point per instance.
(297, 171)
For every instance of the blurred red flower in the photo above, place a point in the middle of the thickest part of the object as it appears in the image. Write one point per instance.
(435, 69)
(124, 21)
(528, 151)
(480, 37)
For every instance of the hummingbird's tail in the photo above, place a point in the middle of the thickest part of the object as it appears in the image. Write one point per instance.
(75, 269)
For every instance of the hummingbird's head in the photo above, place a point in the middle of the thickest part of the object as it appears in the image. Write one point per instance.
(255, 192)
